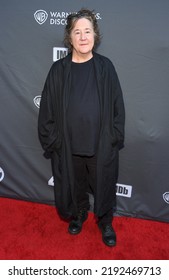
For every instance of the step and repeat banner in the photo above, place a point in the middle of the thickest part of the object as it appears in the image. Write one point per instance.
(135, 36)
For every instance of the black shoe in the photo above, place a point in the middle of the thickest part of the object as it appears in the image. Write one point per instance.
(75, 225)
(108, 235)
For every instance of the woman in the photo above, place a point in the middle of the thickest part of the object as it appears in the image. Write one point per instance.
(81, 127)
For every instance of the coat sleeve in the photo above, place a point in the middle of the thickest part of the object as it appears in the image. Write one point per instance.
(119, 113)
(48, 131)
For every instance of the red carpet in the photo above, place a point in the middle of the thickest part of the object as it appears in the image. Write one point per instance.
(32, 231)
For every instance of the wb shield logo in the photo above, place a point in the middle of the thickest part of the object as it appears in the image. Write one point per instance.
(51, 182)
(37, 101)
(166, 197)
(1, 174)
(40, 16)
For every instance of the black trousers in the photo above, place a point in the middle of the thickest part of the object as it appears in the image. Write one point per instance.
(85, 179)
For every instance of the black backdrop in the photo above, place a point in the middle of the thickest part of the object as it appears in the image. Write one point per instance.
(136, 38)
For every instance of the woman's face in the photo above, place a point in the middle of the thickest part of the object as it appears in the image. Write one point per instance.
(82, 37)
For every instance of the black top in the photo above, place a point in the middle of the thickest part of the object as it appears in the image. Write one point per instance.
(83, 114)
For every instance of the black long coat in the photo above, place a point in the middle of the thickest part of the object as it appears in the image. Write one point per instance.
(54, 137)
